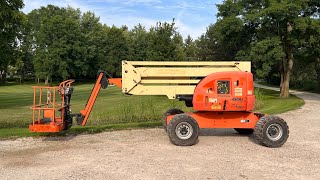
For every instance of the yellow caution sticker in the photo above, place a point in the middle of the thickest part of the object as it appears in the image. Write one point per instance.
(238, 91)
(213, 100)
(216, 106)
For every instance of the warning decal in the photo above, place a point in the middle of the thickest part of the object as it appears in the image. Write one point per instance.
(238, 91)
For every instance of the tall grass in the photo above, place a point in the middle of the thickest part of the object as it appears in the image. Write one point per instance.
(143, 109)
(260, 97)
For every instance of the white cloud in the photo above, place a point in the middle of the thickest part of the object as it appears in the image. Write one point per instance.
(128, 2)
(131, 21)
(186, 30)
(188, 14)
(31, 4)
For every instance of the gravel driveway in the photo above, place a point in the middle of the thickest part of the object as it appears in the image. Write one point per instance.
(147, 154)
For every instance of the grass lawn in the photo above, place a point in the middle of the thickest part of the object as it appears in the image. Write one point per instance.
(112, 108)
(269, 102)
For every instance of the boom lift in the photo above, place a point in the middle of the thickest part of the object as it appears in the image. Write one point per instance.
(221, 93)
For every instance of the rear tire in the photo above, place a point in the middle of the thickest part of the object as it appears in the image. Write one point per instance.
(271, 131)
(183, 130)
(172, 111)
(244, 130)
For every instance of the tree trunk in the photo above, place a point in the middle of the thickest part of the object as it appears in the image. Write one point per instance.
(287, 64)
(317, 68)
(47, 81)
(3, 74)
(22, 75)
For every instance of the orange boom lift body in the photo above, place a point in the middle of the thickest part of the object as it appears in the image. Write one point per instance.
(220, 100)
(224, 100)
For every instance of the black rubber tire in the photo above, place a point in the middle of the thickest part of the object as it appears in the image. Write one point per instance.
(67, 120)
(172, 111)
(171, 128)
(260, 131)
(244, 130)
(67, 126)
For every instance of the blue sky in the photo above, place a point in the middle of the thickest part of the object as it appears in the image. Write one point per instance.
(192, 17)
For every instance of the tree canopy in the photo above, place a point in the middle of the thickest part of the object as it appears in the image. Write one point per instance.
(270, 33)
(68, 43)
(280, 38)
(11, 19)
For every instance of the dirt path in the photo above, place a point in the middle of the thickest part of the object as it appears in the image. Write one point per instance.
(147, 154)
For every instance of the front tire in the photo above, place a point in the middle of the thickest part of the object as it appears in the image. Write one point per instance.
(271, 131)
(172, 111)
(183, 130)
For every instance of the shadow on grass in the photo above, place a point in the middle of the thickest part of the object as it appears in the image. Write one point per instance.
(13, 133)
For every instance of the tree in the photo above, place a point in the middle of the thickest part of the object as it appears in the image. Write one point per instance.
(139, 43)
(113, 50)
(162, 46)
(10, 21)
(58, 42)
(68, 44)
(91, 42)
(274, 26)
(47, 29)
(202, 48)
(265, 55)
(311, 48)
(190, 49)
(179, 52)
(25, 51)
(161, 42)
(224, 39)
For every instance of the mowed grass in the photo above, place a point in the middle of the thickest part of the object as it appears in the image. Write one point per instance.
(111, 107)
(112, 110)
(269, 102)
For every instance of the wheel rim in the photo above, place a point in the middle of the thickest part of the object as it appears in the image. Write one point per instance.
(274, 132)
(184, 130)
